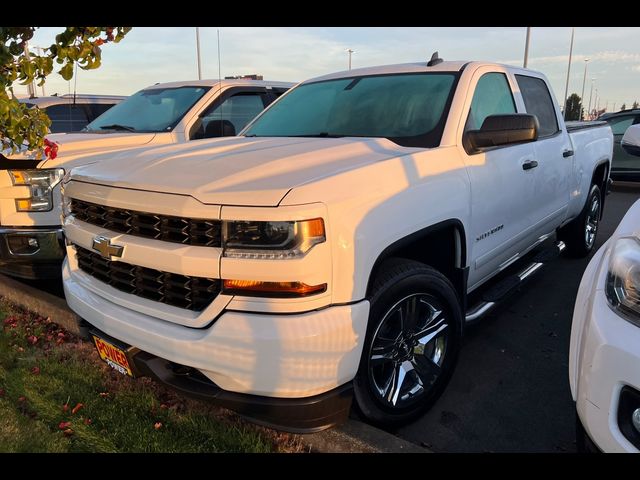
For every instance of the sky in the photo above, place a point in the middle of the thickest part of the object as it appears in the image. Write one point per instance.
(149, 55)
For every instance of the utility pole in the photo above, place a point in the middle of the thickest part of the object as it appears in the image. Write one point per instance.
(526, 47)
(198, 52)
(350, 52)
(566, 87)
(591, 94)
(614, 107)
(584, 78)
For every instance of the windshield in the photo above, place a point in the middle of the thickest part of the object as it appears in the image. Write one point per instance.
(405, 108)
(153, 110)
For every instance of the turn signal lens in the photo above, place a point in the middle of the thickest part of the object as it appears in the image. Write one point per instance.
(271, 289)
(23, 204)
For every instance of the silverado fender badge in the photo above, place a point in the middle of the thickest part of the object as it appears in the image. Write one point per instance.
(103, 246)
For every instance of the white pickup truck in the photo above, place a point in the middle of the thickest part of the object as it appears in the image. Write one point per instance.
(31, 241)
(329, 250)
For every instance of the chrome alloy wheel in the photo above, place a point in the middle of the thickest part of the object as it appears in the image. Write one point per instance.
(408, 350)
(591, 224)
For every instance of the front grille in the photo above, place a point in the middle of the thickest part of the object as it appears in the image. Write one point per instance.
(187, 231)
(193, 293)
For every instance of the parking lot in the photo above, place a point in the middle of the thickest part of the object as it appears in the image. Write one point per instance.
(510, 391)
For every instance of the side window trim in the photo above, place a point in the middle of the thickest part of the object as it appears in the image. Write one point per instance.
(226, 94)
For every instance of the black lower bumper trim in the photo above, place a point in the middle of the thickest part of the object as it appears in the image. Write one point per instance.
(296, 415)
(32, 271)
(43, 261)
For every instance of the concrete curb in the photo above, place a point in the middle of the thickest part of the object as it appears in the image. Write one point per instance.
(351, 437)
(357, 437)
(39, 302)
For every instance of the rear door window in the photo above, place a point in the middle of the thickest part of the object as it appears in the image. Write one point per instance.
(620, 124)
(538, 102)
(67, 118)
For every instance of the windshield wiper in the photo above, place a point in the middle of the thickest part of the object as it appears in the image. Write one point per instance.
(320, 135)
(117, 126)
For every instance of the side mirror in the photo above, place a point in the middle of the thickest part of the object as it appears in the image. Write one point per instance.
(631, 140)
(499, 130)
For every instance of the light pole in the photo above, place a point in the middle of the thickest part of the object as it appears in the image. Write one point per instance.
(584, 78)
(31, 88)
(591, 94)
(198, 52)
(566, 87)
(526, 48)
(350, 52)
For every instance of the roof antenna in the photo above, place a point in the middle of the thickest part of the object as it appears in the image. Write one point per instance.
(220, 85)
(435, 60)
(75, 84)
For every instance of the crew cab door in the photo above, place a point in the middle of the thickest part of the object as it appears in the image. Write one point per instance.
(502, 184)
(553, 153)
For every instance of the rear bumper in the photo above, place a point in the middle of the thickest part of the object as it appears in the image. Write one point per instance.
(32, 253)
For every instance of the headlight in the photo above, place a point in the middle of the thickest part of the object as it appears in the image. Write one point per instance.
(623, 279)
(41, 183)
(271, 240)
(66, 203)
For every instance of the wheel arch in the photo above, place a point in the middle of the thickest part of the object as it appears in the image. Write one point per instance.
(600, 177)
(450, 258)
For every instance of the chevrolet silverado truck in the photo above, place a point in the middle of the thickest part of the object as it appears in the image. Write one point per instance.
(330, 250)
(31, 240)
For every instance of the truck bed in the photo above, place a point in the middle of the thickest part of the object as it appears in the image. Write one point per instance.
(573, 126)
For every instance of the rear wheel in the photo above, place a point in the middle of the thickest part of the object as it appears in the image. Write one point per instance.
(412, 343)
(580, 234)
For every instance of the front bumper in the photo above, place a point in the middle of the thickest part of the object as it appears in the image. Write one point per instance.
(290, 359)
(42, 259)
(604, 358)
(296, 415)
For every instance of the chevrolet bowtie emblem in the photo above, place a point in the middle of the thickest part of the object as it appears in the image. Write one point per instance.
(103, 245)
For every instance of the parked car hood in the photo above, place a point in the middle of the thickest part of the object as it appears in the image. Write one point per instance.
(257, 171)
(73, 147)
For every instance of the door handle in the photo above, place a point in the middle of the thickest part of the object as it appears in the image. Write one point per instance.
(567, 153)
(529, 164)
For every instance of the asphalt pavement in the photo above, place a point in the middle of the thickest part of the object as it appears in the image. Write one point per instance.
(510, 391)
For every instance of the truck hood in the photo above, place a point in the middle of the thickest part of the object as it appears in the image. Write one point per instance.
(237, 170)
(73, 147)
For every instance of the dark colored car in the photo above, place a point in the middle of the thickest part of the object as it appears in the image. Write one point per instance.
(624, 167)
(69, 114)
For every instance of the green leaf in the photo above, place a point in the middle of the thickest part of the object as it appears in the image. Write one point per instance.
(67, 71)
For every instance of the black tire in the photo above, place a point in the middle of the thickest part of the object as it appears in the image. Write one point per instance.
(423, 355)
(576, 235)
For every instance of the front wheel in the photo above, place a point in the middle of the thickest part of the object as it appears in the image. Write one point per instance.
(412, 343)
(580, 234)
